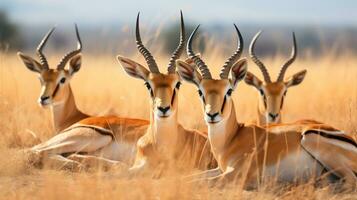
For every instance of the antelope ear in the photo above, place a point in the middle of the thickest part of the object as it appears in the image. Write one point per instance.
(133, 68)
(75, 64)
(188, 72)
(296, 79)
(30, 63)
(252, 80)
(239, 70)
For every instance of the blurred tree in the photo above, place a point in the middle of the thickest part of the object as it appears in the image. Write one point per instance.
(9, 33)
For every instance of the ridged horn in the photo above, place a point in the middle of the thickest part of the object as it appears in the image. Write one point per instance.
(231, 60)
(71, 54)
(144, 51)
(179, 50)
(289, 62)
(206, 74)
(255, 59)
(40, 47)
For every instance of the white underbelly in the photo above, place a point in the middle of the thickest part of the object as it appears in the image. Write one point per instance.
(119, 151)
(298, 166)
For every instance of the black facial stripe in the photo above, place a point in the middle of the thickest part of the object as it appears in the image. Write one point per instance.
(265, 101)
(282, 102)
(173, 97)
(55, 91)
(224, 102)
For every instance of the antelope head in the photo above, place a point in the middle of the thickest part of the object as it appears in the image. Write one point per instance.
(54, 82)
(214, 93)
(272, 93)
(163, 87)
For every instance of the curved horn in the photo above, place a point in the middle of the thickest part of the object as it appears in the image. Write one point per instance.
(231, 60)
(180, 48)
(144, 51)
(198, 61)
(42, 44)
(256, 60)
(289, 62)
(70, 55)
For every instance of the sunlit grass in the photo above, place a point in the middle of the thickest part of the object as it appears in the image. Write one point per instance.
(328, 94)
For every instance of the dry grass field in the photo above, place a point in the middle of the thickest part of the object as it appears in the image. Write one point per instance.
(328, 94)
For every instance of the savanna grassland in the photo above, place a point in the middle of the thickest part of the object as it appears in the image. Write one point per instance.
(328, 94)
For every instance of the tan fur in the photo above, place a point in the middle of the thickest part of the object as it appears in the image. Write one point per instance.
(285, 151)
(271, 96)
(107, 138)
(166, 139)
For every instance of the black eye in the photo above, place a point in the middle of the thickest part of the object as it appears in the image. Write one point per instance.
(229, 92)
(149, 88)
(261, 92)
(200, 93)
(63, 80)
(178, 85)
(147, 85)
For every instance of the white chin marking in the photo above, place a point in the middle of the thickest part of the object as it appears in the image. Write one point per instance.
(162, 117)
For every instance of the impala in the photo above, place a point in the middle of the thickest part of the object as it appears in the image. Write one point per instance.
(272, 94)
(104, 139)
(165, 139)
(289, 153)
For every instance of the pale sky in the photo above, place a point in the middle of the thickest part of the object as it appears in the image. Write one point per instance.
(320, 12)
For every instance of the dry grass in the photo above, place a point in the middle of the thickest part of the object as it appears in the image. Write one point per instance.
(328, 94)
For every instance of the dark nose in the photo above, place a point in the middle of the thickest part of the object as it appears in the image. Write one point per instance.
(44, 98)
(273, 116)
(164, 109)
(212, 116)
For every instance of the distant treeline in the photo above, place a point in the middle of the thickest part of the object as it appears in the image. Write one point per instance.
(119, 38)
(9, 34)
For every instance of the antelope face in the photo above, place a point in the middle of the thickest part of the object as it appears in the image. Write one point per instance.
(53, 87)
(272, 94)
(215, 96)
(214, 93)
(163, 88)
(54, 82)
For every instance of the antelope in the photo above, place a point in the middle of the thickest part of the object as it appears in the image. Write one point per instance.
(272, 94)
(287, 152)
(104, 139)
(56, 91)
(166, 139)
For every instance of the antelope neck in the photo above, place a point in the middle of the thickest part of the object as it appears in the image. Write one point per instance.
(164, 131)
(221, 133)
(66, 113)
